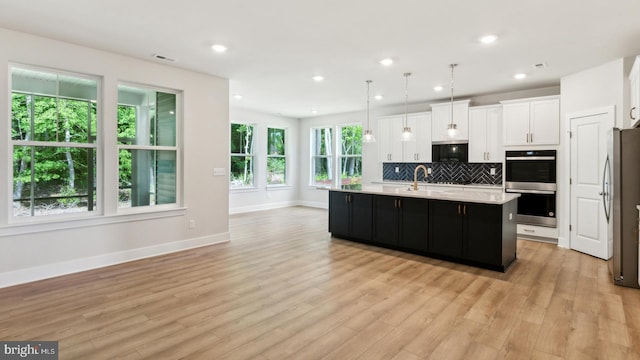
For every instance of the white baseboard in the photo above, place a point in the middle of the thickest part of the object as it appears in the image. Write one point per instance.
(35, 273)
(261, 207)
(314, 204)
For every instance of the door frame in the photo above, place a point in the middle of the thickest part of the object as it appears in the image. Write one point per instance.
(611, 114)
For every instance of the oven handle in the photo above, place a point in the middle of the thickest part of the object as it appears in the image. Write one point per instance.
(531, 157)
(546, 192)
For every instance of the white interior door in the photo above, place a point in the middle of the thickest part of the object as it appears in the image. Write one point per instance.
(589, 132)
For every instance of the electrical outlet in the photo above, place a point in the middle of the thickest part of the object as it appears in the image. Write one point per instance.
(219, 172)
(428, 170)
(192, 224)
(397, 169)
(492, 171)
(510, 216)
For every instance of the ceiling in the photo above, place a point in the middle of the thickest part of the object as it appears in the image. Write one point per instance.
(275, 47)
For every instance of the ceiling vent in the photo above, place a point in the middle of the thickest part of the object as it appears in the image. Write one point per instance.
(540, 65)
(163, 58)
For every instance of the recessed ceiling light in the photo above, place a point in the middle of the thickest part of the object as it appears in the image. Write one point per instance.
(386, 62)
(237, 96)
(314, 111)
(318, 78)
(520, 76)
(219, 48)
(488, 39)
(378, 97)
(438, 88)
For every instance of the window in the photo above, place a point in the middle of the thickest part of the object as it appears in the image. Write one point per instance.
(348, 160)
(242, 157)
(350, 157)
(147, 147)
(53, 139)
(321, 157)
(276, 157)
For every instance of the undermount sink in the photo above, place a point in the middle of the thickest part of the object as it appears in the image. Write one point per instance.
(424, 190)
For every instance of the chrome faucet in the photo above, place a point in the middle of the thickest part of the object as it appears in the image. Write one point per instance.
(415, 175)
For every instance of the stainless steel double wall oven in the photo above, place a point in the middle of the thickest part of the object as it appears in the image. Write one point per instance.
(532, 173)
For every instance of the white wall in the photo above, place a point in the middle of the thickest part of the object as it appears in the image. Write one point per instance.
(262, 197)
(30, 252)
(604, 85)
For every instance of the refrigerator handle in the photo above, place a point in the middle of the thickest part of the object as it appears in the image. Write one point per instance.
(605, 188)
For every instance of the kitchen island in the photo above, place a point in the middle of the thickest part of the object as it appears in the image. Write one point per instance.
(472, 227)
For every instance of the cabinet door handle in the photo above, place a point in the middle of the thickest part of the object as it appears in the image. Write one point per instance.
(531, 137)
(464, 210)
(631, 113)
(395, 203)
(399, 203)
(458, 209)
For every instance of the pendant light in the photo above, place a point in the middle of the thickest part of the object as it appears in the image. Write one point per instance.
(368, 134)
(452, 128)
(407, 135)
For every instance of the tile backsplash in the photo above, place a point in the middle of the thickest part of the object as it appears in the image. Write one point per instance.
(475, 173)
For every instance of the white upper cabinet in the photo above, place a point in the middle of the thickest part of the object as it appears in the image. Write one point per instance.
(441, 118)
(485, 134)
(533, 121)
(634, 93)
(420, 149)
(391, 148)
(388, 138)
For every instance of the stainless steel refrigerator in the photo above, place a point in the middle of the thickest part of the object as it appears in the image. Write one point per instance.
(621, 195)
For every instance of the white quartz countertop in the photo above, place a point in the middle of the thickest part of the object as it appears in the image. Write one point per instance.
(484, 197)
(422, 183)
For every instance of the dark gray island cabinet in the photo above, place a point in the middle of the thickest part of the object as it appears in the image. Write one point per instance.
(474, 228)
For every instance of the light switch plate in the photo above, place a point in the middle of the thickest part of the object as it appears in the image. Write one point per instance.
(492, 171)
(397, 169)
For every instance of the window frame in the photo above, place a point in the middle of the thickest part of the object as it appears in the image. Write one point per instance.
(313, 156)
(97, 147)
(254, 159)
(336, 155)
(177, 148)
(285, 157)
(340, 155)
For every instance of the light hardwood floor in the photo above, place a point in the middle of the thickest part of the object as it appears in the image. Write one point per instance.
(284, 289)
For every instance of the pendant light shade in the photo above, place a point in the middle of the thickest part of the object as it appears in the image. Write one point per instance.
(452, 128)
(407, 135)
(368, 136)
